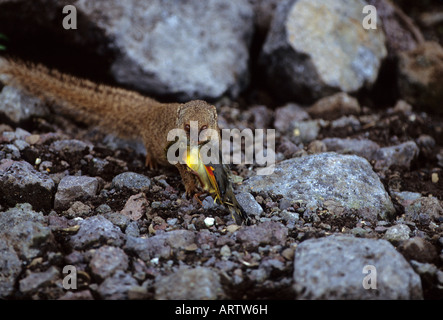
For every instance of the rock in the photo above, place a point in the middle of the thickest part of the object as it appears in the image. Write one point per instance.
(304, 131)
(332, 268)
(132, 229)
(397, 233)
(400, 155)
(29, 239)
(106, 260)
(405, 198)
(117, 286)
(10, 268)
(135, 207)
(266, 233)
(160, 245)
(78, 209)
(420, 79)
(20, 213)
(36, 280)
(73, 188)
(148, 248)
(70, 146)
(77, 295)
(249, 204)
(12, 151)
(302, 32)
(344, 182)
(207, 45)
(418, 249)
(261, 116)
(334, 106)
(285, 115)
(131, 180)
(364, 148)
(118, 219)
(346, 121)
(95, 231)
(20, 183)
(19, 107)
(424, 209)
(189, 284)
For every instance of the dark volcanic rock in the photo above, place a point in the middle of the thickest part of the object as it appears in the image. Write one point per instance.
(96, 231)
(332, 268)
(20, 183)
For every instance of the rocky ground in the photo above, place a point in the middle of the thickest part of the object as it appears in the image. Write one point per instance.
(353, 209)
(72, 197)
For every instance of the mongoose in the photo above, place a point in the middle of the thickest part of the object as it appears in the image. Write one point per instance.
(125, 112)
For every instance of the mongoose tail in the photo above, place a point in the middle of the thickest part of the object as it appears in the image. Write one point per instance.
(110, 107)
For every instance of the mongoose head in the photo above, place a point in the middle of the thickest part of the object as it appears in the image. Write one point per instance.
(196, 116)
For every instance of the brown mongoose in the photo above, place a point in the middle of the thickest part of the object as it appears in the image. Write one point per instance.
(125, 112)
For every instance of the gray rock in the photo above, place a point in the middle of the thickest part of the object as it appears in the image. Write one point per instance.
(249, 204)
(160, 245)
(343, 182)
(405, 198)
(21, 144)
(332, 268)
(304, 131)
(334, 106)
(400, 155)
(10, 268)
(106, 260)
(346, 121)
(73, 188)
(301, 34)
(18, 106)
(206, 44)
(285, 115)
(12, 151)
(364, 148)
(424, 209)
(148, 248)
(266, 233)
(20, 213)
(117, 286)
(29, 239)
(200, 283)
(131, 180)
(132, 229)
(70, 146)
(20, 183)
(95, 231)
(36, 280)
(397, 233)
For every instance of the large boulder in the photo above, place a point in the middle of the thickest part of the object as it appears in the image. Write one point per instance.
(316, 48)
(339, 183)
(180, 49)
(343, 267)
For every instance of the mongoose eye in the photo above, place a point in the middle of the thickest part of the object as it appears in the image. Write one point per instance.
(187, 127)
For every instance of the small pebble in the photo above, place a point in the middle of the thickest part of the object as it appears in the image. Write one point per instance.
(209, 222)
